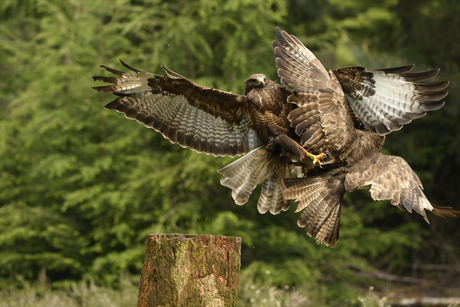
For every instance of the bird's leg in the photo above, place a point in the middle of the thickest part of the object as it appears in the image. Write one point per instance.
(291, 146)
(316, 158)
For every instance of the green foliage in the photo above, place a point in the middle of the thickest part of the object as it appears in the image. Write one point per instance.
(80, 187)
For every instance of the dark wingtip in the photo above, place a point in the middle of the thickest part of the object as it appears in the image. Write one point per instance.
(431, 86)
(420, 76)
(129, 67)
(113, 105)
(172, 74)
(113, 71)
(280, 35)
(398, 70)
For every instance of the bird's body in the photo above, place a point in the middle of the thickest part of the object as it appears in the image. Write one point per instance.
(267, 102)
(337, 118)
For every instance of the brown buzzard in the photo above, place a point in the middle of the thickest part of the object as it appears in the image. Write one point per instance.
(217, 122)
(346, 113)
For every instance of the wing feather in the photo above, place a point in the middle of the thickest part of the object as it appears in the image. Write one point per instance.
(392, 178)
(203, 119)
(387, 99)
(315, 89)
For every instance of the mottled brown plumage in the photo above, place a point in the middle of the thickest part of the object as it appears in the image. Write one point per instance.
(217, 122)
(346, 113)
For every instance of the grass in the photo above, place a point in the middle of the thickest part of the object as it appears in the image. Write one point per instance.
(88, 294)
(78, 294)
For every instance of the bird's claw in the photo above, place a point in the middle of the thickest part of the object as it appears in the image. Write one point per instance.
(316, 158)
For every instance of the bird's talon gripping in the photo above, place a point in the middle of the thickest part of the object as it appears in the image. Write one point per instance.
(316, 158)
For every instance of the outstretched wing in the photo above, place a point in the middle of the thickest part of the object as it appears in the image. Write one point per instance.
(322, 119)
(203, 119)
(386, 99)
(392, 178)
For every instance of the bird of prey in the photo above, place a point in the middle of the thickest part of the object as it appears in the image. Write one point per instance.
(218, 123)
(346, 113)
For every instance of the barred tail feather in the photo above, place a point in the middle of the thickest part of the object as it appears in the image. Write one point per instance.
(320, 200)
(271, 197)
(258, 166)
(242, 175)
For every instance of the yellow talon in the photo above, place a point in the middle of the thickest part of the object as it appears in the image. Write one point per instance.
(316, 158)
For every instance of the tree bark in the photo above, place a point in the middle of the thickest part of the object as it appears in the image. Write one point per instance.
(190, 270)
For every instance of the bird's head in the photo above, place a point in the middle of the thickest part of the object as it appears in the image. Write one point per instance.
(256, 81)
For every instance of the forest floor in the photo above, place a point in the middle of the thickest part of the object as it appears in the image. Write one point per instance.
(433, 286)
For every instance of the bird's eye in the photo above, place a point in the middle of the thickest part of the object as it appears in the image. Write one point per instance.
(265, 79)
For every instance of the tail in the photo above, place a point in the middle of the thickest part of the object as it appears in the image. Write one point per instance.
(258, 166)
(392, 178)
(320, 198)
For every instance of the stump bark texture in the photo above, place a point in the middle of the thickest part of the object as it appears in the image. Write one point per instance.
(190, 270)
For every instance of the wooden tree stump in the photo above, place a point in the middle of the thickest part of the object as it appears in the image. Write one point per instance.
(190, 270)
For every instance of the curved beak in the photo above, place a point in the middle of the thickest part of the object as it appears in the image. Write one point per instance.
(259, 82)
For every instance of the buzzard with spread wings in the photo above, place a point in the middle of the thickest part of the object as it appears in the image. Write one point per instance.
(347, 112)
(344, 113)
(219, 123)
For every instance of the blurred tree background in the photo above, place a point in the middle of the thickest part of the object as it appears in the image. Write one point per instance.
(81, 187)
